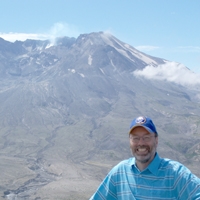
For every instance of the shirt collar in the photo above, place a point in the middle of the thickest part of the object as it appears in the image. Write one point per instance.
(152, 167)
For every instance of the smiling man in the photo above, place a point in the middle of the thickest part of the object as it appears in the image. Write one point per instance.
(147, 176)
(143, 141)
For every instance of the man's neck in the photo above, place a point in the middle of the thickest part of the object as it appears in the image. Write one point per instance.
(141, 166)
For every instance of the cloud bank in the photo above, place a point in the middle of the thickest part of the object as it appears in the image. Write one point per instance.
(12, 37)
(172, 72)
(57, 30)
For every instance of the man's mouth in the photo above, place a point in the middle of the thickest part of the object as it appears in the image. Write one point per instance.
(142, 150)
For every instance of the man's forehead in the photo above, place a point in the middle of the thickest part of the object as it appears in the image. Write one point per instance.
(138, 130)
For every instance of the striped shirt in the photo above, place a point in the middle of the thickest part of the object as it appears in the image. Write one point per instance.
(163, 179)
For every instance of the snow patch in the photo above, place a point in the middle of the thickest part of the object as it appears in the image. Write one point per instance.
(82, 75)
(49, 45)
(72, 70)
(113, 65)
(127, 48)
(89, 60)
(102, 71)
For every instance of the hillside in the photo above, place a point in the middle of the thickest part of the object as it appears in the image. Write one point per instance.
(66, 108)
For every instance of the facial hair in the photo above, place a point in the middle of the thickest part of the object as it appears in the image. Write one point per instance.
(146, 157)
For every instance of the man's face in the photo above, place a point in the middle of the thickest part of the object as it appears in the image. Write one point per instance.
(143, 149)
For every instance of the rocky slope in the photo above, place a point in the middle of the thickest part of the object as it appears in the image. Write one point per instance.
(65, 111)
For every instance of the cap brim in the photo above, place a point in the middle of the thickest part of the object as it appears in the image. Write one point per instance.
(148, 129)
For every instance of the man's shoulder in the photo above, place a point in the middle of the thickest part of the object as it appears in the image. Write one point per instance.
(124, 164)
(127, 162)
(172, 165)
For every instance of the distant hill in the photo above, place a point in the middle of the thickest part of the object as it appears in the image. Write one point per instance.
(65, 110)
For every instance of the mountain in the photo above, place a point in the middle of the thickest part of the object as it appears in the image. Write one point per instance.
(66, 108)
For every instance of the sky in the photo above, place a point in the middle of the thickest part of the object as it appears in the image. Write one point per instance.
(168, 29)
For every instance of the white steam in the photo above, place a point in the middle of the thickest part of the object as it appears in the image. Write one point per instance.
(61, 30)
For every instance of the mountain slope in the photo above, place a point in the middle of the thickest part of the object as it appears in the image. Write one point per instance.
(66, 109)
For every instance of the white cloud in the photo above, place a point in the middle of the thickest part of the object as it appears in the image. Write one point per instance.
(172, 72)
(147, 48)
(12, 37)
(57, 30)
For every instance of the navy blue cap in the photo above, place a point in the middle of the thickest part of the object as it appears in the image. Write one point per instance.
(145, 122)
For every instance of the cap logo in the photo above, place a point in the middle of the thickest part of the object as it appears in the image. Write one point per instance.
(140, 120)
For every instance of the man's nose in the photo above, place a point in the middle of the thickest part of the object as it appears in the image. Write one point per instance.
(141, 140)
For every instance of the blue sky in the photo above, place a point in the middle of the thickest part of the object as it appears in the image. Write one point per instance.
(168, 29)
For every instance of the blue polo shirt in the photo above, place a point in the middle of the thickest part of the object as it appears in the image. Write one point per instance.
(163, 179)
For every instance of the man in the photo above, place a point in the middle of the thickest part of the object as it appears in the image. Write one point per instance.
(147, 176)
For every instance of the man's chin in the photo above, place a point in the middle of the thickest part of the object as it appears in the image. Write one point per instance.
(142, 159)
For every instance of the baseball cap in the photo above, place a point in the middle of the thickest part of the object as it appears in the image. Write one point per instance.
(145, 122)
